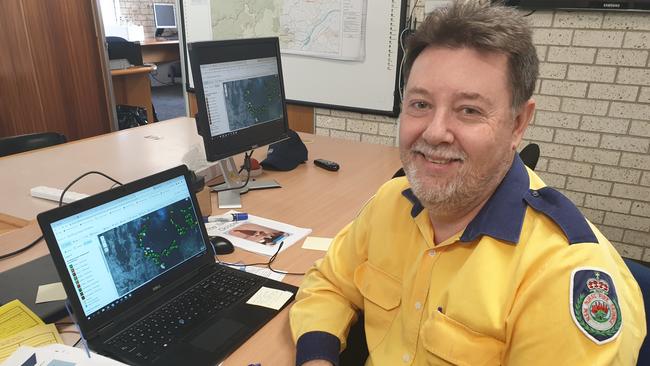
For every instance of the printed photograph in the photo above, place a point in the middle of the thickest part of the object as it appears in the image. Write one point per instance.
(258, 234)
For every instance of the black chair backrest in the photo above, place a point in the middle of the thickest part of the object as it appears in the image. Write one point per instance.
(113, 39)
(21, 143)
(530, 155)
(641, 273)
(356, 353)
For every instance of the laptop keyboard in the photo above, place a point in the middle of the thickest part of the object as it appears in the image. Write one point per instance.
(152, 335)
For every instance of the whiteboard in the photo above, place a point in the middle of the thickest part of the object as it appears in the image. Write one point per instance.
(367, 86)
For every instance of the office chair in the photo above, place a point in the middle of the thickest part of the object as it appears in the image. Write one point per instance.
(112, 39)
(641, 273)
(529, 155)
(21, 143)
(356, 351)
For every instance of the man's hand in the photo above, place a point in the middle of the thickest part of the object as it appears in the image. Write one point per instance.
(317, 363)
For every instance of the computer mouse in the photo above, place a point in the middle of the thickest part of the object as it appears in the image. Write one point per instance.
(222, 245)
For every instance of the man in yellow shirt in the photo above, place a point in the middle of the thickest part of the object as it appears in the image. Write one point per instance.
(470, 259)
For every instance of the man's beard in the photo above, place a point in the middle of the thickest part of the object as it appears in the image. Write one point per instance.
(457, 194)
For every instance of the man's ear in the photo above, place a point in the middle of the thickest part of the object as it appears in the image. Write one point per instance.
(522, 119)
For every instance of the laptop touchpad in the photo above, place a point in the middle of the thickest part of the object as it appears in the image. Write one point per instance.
(217, 334)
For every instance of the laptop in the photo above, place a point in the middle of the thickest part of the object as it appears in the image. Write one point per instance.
(141, 278)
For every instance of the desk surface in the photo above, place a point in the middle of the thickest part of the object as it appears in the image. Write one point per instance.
(132, 70)
(311, 197)
(156, 42)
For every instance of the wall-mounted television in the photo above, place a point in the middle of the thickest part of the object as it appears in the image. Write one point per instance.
(630, 5)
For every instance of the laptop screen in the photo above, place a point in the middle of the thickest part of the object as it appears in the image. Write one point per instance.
(115, 248)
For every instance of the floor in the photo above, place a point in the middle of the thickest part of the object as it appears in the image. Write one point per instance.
(168, 101)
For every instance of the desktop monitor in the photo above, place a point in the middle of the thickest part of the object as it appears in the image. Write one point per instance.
(165, 17)
(241, 104)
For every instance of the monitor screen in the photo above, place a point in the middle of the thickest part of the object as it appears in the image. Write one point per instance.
(240, 95)
(164, 15)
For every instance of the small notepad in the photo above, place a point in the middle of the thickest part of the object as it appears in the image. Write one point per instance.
(270, 298)
(317, 243)
(50, 292)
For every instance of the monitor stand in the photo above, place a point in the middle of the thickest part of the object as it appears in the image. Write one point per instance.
(231, 198)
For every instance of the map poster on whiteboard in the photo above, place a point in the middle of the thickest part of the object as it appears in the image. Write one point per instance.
(318, 28)
(340, 54)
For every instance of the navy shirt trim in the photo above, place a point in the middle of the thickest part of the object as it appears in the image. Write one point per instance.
(562, 211)
(502, 216)
(317, 346)
(417, 205)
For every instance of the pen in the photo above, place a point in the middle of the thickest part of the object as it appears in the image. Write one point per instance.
(239, 216)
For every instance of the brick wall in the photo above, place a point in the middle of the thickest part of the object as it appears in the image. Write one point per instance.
(592, 121)
(593, 118)
(140, 12)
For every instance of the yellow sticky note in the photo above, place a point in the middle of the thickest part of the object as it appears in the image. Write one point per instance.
(36, 336)
(270, 298)
(50, 292)
(317, 243)
(16, 317)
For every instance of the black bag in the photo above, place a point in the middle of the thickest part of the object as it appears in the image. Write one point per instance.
(130, 116)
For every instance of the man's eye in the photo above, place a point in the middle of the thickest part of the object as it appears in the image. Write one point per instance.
(471, 111)
(420, 105)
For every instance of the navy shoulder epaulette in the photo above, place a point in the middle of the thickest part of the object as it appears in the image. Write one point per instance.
(563, 212)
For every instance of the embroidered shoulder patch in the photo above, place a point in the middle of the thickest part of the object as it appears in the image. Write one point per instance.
(594, 304)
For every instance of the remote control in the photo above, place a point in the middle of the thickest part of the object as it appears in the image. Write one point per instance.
(326, 164)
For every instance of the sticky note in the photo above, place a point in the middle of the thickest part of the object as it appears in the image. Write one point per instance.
(317, 243)
(270, 298)
(50, 292)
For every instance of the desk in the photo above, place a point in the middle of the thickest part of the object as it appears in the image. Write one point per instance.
(311, 197)
(132, 87)
(158, 51)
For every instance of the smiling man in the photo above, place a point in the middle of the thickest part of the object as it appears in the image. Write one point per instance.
(470, 259)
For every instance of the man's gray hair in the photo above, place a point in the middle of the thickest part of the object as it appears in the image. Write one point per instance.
(483, 27)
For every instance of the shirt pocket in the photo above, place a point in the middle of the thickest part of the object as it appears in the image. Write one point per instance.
(382, 296)
(446, 339)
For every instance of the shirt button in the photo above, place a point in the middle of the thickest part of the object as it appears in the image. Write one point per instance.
(432, 253)
(406, 357)
(535, 193)
(418, 305)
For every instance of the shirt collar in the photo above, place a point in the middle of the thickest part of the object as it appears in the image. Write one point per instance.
(502, 216)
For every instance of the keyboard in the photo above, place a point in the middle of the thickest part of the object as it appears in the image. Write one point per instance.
(149, 337)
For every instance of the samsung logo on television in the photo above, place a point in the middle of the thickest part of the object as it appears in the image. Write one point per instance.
(612, 5)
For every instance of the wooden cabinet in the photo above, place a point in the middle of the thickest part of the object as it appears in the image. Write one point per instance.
(132, 87)
(52, 69)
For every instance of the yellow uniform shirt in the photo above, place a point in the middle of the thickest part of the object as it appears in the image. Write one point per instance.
(528, 282)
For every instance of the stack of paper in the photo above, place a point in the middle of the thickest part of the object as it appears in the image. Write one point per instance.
(19, 326)
(57, 355)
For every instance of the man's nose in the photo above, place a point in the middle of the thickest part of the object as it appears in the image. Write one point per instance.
(439, 128)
